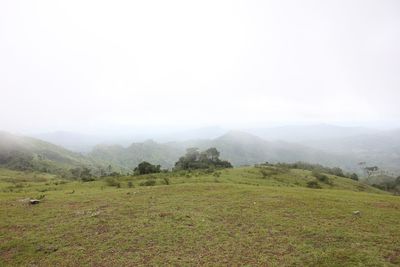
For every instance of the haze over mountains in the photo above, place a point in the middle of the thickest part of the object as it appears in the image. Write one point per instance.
(329, 145)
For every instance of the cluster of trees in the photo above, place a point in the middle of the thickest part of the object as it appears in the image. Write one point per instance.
(147, 168)
(195, 159)
(83, 173)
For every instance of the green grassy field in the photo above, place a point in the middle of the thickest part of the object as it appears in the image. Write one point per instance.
(230, 217)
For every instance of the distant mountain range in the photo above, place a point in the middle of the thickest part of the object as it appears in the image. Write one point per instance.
(326, 145)
(301, 133)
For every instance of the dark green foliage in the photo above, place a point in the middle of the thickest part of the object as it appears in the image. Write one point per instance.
(18, 161)
(208, 159)
(320, 177)
(88, 179)
(82, 173)
(86, 175)
(337, 171)
(371, 170)
(147, 168)
(148, 182)
(354, 176)
(313, 184)
(130, 184)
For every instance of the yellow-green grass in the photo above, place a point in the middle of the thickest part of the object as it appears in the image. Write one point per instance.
(236, 217)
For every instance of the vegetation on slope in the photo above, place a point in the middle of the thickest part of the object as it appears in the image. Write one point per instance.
(240, 216)
(207, 159)
(30, 154)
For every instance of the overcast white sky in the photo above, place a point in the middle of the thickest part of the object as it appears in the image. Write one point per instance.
(88, 65)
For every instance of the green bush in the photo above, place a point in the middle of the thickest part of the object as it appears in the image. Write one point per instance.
(113, 182)
(147, 168)
(354, 177)
(321, 177)
(88, 179)
(313, 184)
(130, 184)
(166, 181)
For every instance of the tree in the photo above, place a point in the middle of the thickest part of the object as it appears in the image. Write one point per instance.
(76, 172)
(86, 175)
(338, 172)
(192, 154)
(354, 177)
(371, 170)
(212, 154)
(146, 168)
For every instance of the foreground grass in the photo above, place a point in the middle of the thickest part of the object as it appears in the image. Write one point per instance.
(237, 218)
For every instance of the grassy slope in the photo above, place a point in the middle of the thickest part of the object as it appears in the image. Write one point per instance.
(237, 218)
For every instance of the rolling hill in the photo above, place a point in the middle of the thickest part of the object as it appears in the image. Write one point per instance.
(240, 148)
(26, 153)
(231, 217)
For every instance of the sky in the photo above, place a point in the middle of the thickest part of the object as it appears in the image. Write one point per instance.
(92, 66)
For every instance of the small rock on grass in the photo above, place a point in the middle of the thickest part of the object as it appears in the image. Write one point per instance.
(357, 213)
(34, 201)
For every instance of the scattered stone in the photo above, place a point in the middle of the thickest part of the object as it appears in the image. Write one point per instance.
(357, 213)
(94, 214)
(34, 201)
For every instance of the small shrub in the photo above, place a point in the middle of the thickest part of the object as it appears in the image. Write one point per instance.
(321, 177)
(130, 184)
(112, 182)
(148, 182)
(88, 179)
(216, 174)
(313, 184)
(354, 177)
(166, 181)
